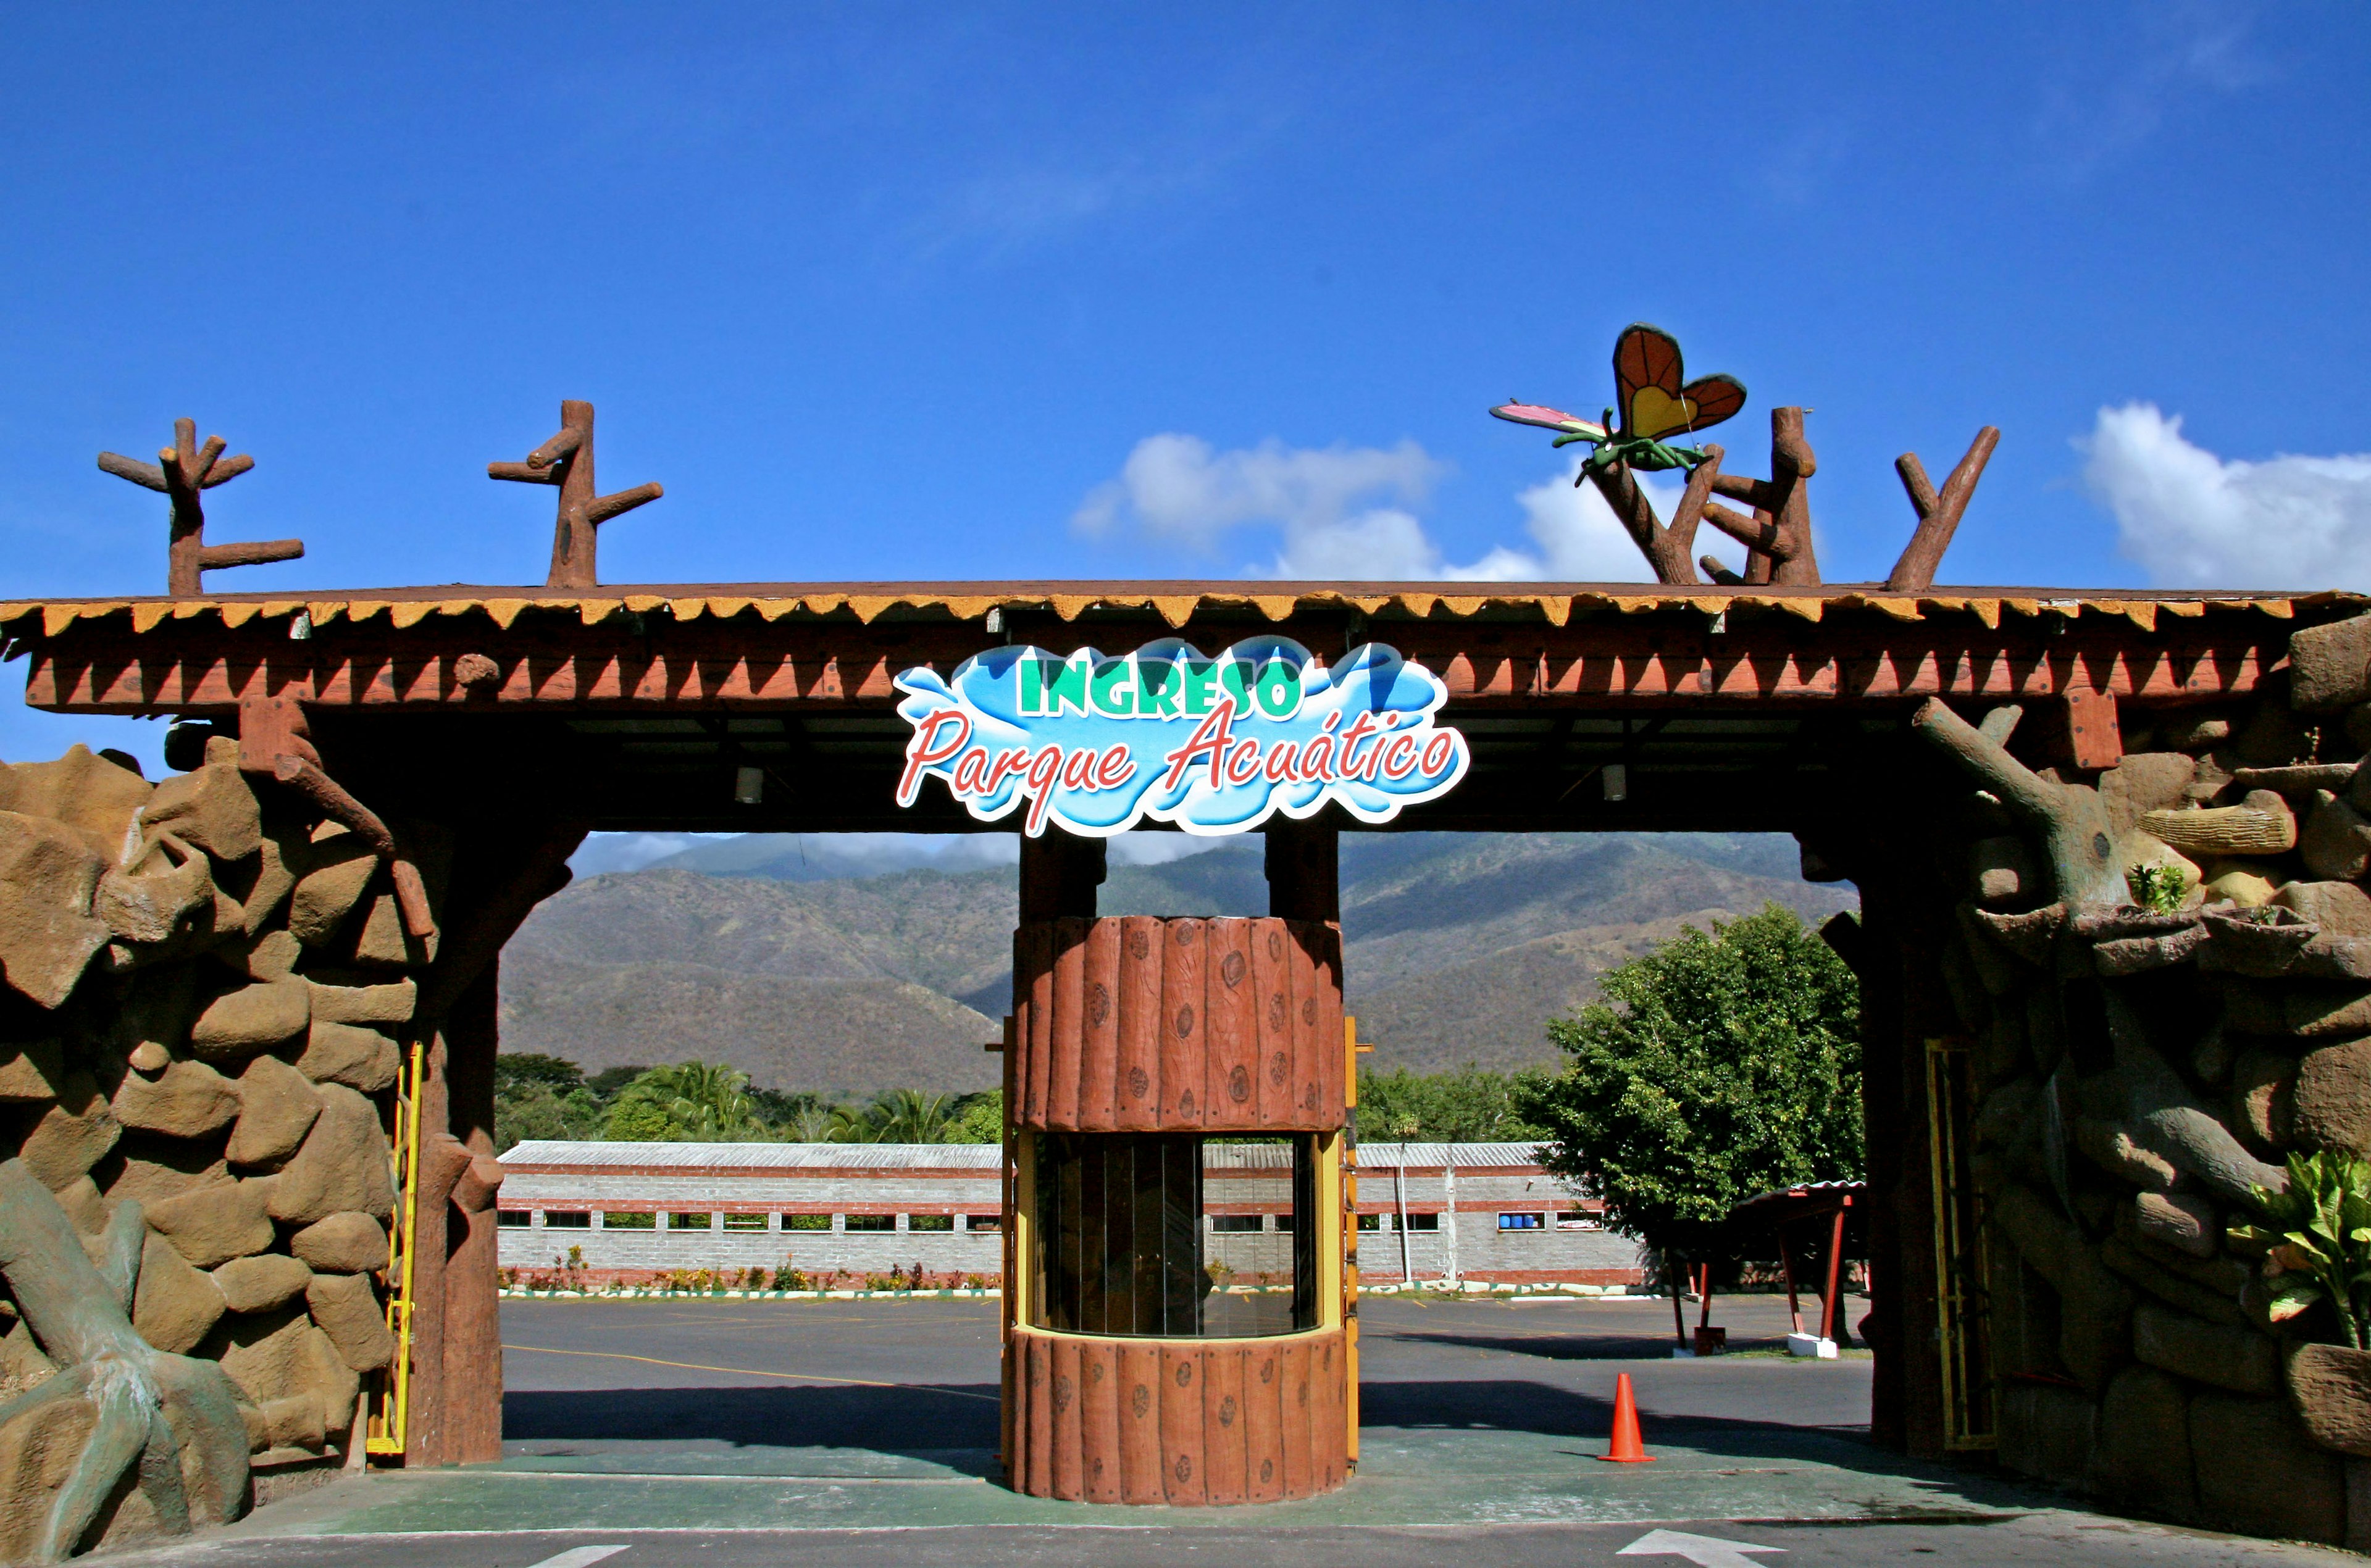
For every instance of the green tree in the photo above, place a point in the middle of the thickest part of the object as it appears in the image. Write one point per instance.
(689, 1102)
(1717, 1068)
(979, 1119)
(898, 1115)
(1469, 1105)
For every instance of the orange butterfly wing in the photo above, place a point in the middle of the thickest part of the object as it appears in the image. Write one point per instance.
(1715, 398)
(1645, 360)
(1646, 372)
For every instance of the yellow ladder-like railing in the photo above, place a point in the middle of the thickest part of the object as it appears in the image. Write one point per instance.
(390, 1389)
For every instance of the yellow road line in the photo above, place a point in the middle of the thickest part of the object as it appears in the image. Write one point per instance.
(750, 1372)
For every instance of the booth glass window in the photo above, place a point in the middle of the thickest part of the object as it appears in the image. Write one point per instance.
(1127, 1243)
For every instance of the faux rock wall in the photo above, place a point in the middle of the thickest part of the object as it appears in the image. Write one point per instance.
(209, 995)
(2140, 1072)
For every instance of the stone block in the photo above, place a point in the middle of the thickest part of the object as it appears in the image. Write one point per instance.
(150, 904)
(96, 800)
(270, 955)
(344, 1243)
(89, 1211)
(2095, 1307)
(72, 1135)
(38, 1452)
(2258, 1474)
(381, 942)
(31, 1071)
(2329, 666)
(389, 1003)
(331, 877)
(48, 876)
(154, 1011)
(2332, 1098)
(279, 1106)
(146, 1168)
(216, 1222)
(260, 1282)
(2339, 908)
(296, 1421)
(2193, 733)
(2172, 1286)
(342, 1166)
(2336, 842)
(2143, 1450)
(2250, 884)
(2222, 1355)
(176, 1305)
(189, 1100)
(348, 1053)
(253, 1017)
(2329, 1389)
(280, 1354)
(2183, 1222)
(2143, 782)
(2001, 870)
(2260, 1096)
(2326, 1012)
(348, 1310)
(273, 880)
(211, 808)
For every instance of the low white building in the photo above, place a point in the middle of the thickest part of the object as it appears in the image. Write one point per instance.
(631, 1210)
(1481, 1211)
(1485, 1212)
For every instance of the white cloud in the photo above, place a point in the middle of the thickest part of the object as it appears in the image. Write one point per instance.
(1352, 511)
(2192, 519)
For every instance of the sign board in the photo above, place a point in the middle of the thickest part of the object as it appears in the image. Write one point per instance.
(1212, 743)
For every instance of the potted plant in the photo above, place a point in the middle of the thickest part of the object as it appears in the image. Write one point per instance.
(2316, 1244)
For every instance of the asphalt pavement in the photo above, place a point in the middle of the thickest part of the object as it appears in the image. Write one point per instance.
(727, 1432)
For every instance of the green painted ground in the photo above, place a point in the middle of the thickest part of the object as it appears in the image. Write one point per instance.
(1406, 1478)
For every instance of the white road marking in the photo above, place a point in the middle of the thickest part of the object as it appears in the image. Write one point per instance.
(585, 1556)
(1705, 1552)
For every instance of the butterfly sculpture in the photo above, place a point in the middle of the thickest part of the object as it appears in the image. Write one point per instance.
(1656, 403)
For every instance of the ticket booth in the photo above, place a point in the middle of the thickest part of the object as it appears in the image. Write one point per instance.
(1179, 1317)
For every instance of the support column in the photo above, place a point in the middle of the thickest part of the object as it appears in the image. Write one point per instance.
(503, 870)
(1304, 870)
(1060, 875)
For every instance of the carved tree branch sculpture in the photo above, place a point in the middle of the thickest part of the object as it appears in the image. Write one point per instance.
(1777, 537)
(149, 1406)
(2069, 818)
(566, 460)
(1665, 547)
(273, 743)
(1939, 513)
(181, 472)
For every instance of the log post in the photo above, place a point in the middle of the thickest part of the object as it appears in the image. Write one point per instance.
(180, 473)
(473, 1333)
(1059, 874)
(1304, 870)
(566, 461)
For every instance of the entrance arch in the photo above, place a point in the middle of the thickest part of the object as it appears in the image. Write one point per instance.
(507, 722)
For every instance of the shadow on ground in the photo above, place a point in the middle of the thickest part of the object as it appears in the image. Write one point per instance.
(901, 1419)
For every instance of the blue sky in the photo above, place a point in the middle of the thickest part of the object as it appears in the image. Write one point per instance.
(896, 291)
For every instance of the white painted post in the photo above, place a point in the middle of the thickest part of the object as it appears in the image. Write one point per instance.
(1449, 1208)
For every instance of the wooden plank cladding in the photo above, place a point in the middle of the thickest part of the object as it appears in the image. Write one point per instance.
(1139, 1024)
(1188, 1423)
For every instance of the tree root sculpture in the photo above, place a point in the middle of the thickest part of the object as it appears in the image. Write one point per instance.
(2068, 818)
(177, 1418)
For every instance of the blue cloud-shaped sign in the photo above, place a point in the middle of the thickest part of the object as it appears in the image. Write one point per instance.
(1214, 744)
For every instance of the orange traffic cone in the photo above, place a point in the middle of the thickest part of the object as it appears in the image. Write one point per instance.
(1628, 1448)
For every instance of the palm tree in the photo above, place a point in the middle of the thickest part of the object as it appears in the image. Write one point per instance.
(705, 1100)
(906, 1115)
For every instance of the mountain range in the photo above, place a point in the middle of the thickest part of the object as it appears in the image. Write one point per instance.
(808, 966)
